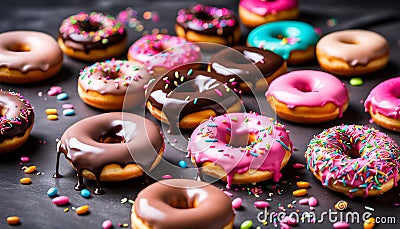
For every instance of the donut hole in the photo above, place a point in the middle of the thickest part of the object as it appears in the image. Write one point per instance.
(203, 16)
(111, 139)
(250, 139)
(350, 150)
(353, 153)
(289, 35)
(111, 75)
(348, 42)
(89, 26)
(183, 203)
(395, 93)
(112, 136)
(19, 47)
(304, 87)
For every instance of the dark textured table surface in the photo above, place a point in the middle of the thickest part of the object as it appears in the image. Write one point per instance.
(31, 203)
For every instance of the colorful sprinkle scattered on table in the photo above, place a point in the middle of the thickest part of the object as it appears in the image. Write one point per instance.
(52, 192)
(356, 82)
(13, 220)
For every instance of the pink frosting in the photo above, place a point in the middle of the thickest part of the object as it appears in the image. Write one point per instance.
(378, 162)
(208, 143)
(263, 7)
(173, 51)
(309, 88)
(384, 99)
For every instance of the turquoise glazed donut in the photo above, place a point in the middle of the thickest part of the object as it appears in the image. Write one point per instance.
(293, 40)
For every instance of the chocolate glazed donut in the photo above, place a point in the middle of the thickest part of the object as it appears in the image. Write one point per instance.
(209, 21)
(77, 31)
(16, 115)
(182, 203)
(248, 62)
(110, 138)
(183, 92)
(16, 120)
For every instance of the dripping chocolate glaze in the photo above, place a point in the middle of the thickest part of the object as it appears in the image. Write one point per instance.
(199, 91)
(86, 43)
(174, 200)
(137, 141)
(242, 61)
(16, 115)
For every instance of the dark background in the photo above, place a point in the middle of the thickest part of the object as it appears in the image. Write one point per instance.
(36, 210)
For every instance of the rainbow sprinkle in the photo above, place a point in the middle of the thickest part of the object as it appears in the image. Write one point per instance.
(106, 25)
(378, 161)
(121, 72)
(219, 17)
(23, 119)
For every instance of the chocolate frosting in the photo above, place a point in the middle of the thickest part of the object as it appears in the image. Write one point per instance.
(85, 32)
(182, 92)
(16, 115)
(77, 42)
(181, 203)
(242, 61)
(28, 50)
(208, 20)
(134, 139)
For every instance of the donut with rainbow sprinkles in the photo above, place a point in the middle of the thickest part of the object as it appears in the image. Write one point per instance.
(354, 159)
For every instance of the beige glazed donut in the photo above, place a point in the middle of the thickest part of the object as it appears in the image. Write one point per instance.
(181, 204)
(28, 56)
(113, 84)
(352, 52)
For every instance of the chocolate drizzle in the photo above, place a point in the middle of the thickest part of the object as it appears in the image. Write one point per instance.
(110, 138)
(182, 92)
(242, 61)
(16, 115)
(79, 42)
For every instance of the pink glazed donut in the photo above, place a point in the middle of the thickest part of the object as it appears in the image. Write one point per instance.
(383, 104)
(308, 96)
(257, 12)
(355, 160)
(160, 52)
(241, 148)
